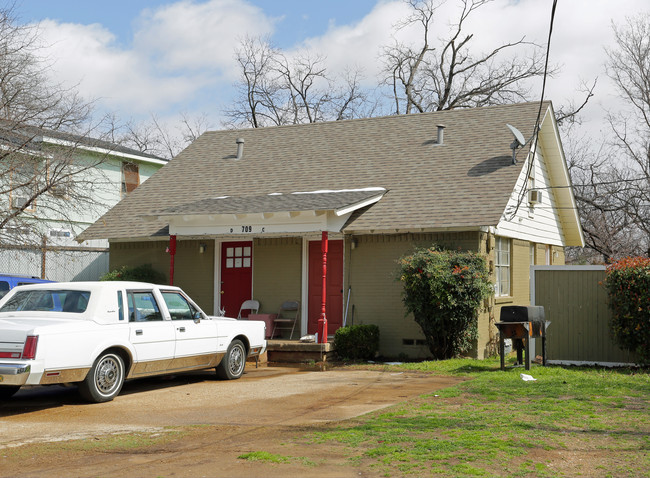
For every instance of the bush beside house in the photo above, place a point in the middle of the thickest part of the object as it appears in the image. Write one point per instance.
(444, 290)
(357, 342)
(628, 285)
(142, 273)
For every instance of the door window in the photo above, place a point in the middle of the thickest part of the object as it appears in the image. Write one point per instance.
(238, 257)
(179, 307)
(143, 306)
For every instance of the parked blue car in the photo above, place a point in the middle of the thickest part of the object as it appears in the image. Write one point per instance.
(9, 281)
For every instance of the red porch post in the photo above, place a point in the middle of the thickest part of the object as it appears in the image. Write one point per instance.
(172, 252)
(322, 322)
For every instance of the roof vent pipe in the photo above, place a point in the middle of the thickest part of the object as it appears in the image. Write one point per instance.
(240, 147)
(441, 131)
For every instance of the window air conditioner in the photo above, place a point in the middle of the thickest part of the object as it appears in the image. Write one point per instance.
(59, 190)
(19, 201)
(534, 197)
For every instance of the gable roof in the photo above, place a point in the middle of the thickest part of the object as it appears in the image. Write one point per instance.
(31, 138)
(463, 183)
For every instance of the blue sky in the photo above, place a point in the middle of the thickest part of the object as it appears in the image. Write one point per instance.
(296, 19)
(144, 57)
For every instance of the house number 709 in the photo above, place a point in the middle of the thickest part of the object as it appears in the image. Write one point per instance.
(245, 229)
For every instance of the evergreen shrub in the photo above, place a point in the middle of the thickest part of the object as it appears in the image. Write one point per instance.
(141, 273)
(444, 291)
(628, 286)
(357, 342)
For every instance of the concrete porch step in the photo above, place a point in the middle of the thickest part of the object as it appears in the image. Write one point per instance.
(294, 351)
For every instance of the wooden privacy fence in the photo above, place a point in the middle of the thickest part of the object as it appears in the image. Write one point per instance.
(575, 301)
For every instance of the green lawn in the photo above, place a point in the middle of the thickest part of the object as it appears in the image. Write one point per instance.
(570, 422)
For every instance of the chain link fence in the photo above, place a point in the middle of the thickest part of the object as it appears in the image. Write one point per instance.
(55, 263)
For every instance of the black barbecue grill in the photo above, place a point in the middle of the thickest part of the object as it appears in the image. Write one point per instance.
(522, 323)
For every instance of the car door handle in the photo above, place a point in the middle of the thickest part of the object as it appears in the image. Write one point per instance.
(181, 329)
(138, 332)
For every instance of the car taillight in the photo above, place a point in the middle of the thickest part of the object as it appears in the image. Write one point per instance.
(29, 350)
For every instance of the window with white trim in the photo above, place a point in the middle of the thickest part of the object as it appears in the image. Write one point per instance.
(502, 267)
(24, 185)
(532, 253)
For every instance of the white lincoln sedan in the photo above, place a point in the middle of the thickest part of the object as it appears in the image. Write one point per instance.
(97, 334)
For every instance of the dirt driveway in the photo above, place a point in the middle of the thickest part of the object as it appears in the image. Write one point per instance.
(269, 409)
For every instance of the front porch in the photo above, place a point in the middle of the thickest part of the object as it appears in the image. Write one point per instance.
(294, 351)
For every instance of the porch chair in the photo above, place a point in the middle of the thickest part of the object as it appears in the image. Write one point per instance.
(288, 317)
(252, 305)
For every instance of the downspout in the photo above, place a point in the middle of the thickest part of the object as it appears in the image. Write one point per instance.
(172, 252)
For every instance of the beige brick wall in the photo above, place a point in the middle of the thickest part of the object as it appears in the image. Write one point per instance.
(520, 286)
(193, 271)
(276, 271)
(376, 293)
(371, 271)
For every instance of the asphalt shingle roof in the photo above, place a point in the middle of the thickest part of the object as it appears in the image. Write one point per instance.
(272, 203)
(465, 182)
(33, 135)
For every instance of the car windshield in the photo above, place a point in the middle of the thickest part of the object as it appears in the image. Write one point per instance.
(74, 301)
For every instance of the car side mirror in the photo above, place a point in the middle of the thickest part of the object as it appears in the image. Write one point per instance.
(197, 317)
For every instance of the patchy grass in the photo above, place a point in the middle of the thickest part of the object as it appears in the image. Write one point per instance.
(570, 422)
(264, 456)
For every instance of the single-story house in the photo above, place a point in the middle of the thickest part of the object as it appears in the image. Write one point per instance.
(247, 209)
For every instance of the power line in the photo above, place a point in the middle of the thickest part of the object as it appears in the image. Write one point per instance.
(535, 134)
(601, 183)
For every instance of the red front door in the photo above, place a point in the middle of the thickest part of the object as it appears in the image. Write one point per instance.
(236, 275)
(334, 307)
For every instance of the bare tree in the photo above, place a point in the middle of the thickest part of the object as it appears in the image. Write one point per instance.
(629, 67)
(569, 114)
(276, 89)
(156, 137)
(612, 184)
(435, 75)
(42, 182)
(603, 188)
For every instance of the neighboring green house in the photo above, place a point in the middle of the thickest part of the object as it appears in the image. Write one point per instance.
(248, 208)
(63, 183)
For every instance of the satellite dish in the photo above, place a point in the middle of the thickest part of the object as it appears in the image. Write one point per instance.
(518, 136)
(517, 143)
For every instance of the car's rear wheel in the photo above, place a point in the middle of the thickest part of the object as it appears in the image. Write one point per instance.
(105, 379)
(8, 391)
(233, 364)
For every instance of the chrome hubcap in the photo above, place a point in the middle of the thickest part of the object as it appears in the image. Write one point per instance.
(236, 361)
(108, 373)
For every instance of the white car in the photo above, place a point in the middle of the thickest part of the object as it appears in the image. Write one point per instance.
(98, 334)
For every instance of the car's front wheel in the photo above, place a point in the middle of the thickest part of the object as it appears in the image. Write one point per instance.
(232, 365)
(105, 379)
(8, 391)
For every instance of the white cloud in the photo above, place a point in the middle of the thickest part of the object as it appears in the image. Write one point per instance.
(182, 52)
(197, 36)
(87, 56)
(178, 50)
(358, 45)
(582, 30)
